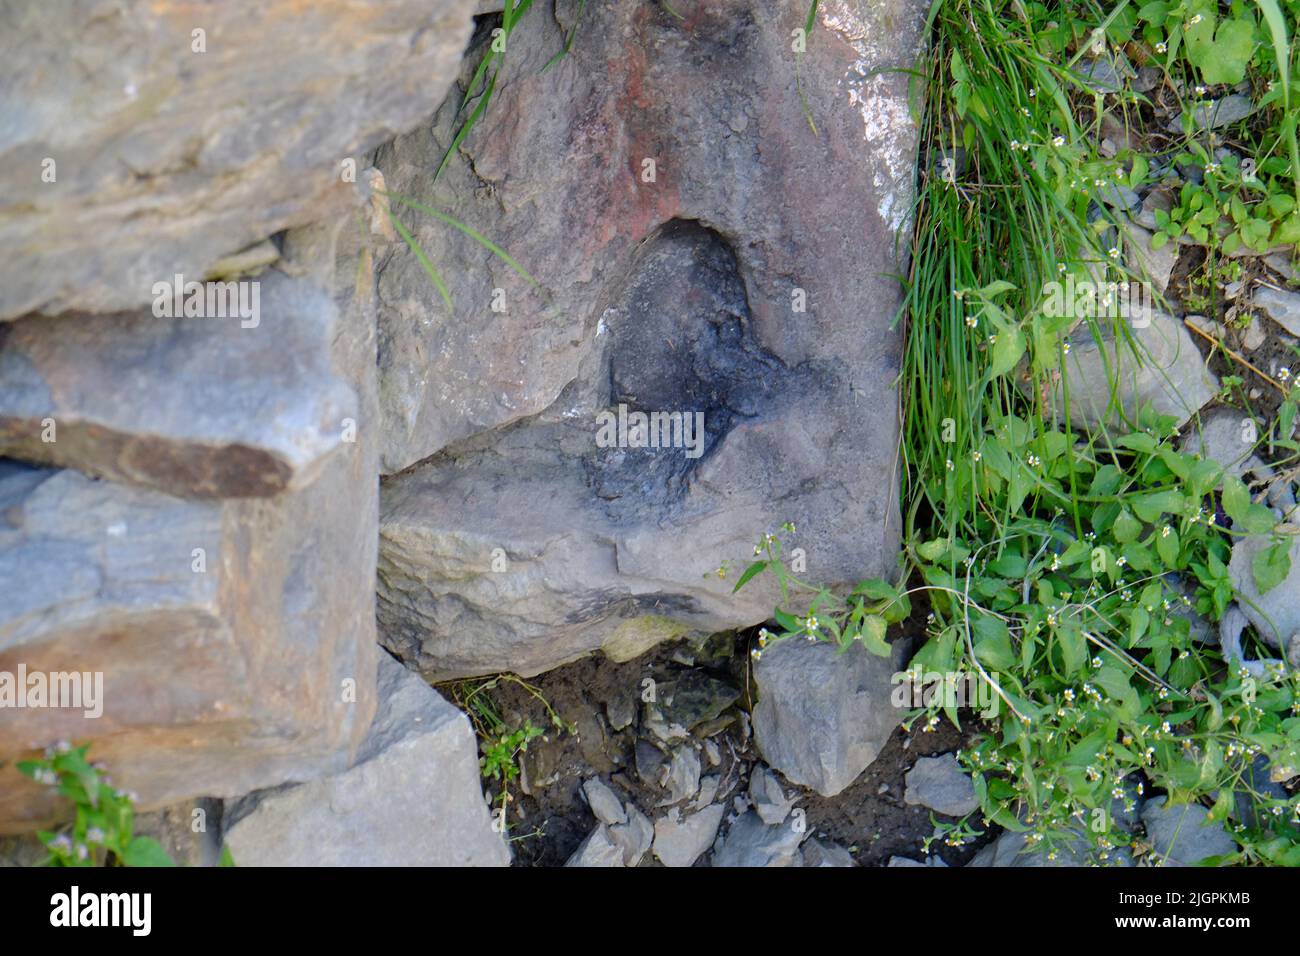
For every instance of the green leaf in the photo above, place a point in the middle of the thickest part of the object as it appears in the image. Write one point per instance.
(993, 644)
(1126, 527)
(750, 572)
(1271, 565)
(1231, 51)
(227, 858)
(1152, 506)
(1007, 350)
(145, 851)
(1074, 648)
(1236, 499)
(873, 635)
(1167, 547)
(932, 550)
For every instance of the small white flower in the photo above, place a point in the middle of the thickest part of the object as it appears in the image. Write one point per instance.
(1161, 47)
(1058, 142)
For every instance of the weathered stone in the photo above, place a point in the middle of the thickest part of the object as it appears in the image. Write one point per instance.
(752, 843)
(167, 157)
(412, 798)
(633, 837)
(262, 609)
(1146, 260)
(822, 717)
(599, 849)
(902, 861)
(1216, 113)
(769, 800)
(1276, 613)
(1226, 436)
(940, 784)
(683, 774)
(1179, 835)
(605, 805)
(1282, 307)
(1167, 372)
(681, 840)
(688, 295)
(818, 854)
(207, 407)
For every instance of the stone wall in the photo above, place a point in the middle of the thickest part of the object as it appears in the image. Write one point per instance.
(214, 344)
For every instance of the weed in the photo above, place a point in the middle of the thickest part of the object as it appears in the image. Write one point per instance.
(102, 832)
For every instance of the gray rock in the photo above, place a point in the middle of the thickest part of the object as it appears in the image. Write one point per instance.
(599, 849)
(708, 791)
(1275, 614)
(681, 840)
(651, 763)
(696, 698)
(683, 774)
(1254, 336)
(1158, 264)
(1284, 265)
(613, 548)
(1216, 113)
(768, 799)
(819, 854)
(906, 862)
(1179, 836)
(1167, 372)
(1159, 198)
(634, 837)
(264, 606)
(1107, 76)
(822, 717)
(1224, 436)
(940, 784)
(752, 843)
(620, 711)
(412, 798)
(192, 406)
(1282, 307)
(168, 160)
(604, 804)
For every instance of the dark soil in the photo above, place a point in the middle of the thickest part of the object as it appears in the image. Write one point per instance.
(549, 817)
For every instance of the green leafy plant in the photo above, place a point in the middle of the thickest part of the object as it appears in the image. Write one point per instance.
(102, 831)
(1083, 613)
(502, 746)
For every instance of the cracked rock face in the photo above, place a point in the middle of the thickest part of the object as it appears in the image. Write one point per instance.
(186, 132)
(234, 637)
(663, 187)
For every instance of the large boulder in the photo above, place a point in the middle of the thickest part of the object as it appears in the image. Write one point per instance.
(823, 716)
(146, 139)
(413, 797)
(235, 638)
(698, 250)
(204, 408)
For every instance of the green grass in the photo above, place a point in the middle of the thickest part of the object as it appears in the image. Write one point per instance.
(1063, 566)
